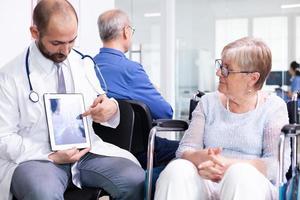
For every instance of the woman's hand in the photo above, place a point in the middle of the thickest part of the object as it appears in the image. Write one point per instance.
(216, 165)
(216, 157)
(211, 171)
(195, 156)
(199, 156)
(213, 168)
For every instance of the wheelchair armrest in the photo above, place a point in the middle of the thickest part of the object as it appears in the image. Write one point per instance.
(291, 129)
(171, 123)
(162, 125)
(291, 132)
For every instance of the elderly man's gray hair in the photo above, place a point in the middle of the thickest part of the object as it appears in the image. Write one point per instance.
(110, 23)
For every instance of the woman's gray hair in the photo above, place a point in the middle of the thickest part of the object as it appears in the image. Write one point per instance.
(250, 54)
(110, 24)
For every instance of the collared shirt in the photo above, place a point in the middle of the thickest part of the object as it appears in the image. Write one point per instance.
(48, 69)
(23, 127)
(127, 79)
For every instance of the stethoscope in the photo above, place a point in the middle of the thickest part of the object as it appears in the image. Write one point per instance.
(34, 96)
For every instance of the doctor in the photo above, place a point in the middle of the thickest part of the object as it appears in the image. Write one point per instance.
(28, 167)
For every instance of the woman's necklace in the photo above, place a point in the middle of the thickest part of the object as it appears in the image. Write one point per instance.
(257, 102)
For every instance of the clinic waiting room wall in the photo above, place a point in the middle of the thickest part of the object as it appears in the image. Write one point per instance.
(15, 22)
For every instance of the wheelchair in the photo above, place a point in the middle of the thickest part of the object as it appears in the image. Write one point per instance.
(291, 132)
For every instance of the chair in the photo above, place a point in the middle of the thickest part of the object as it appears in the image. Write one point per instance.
(133, 131)
(145, 130)
(194, 101)
(291, 132)
(74, 193)
(120, 136)
(136, 133)
(135, 125)
(166, 126)
(143, 123)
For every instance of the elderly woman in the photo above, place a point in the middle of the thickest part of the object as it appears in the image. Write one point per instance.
(230, 149)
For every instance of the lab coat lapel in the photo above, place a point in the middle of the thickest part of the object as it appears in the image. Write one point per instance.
(78, 73)
(34, 110)
(38, 82)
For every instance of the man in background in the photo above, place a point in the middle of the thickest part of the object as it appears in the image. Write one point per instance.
(127, 79)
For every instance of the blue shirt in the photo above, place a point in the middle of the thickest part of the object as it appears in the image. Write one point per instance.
(295, 84)
(127, 79)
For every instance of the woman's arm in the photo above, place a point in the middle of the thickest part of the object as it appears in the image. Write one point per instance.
(216, 165)
(270, 148)
(191, 145)
(196, 156)
(259, 164)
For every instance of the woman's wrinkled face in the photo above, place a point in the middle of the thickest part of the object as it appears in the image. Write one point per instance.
(232, 79)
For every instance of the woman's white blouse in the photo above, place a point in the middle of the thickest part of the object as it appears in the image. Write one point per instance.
(251, 135)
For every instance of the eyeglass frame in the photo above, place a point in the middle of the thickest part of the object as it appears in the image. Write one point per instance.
(132, 29)
(225, 71)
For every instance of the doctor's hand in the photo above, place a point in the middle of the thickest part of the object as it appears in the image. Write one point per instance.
(102, 109)
(68, 156)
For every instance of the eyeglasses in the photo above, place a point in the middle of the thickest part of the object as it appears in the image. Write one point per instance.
(224, 69)
(132, 29)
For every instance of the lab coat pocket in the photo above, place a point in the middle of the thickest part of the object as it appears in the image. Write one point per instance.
(33, 116)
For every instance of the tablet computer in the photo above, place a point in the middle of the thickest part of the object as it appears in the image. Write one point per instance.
(66, 125)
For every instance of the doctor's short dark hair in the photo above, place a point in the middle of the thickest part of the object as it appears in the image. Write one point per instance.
(45, 9)
(250, 54)
(111, 23)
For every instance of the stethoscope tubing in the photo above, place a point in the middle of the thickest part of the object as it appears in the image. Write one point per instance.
(34, 97)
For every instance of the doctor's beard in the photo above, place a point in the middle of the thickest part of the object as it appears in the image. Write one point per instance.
(55, 57)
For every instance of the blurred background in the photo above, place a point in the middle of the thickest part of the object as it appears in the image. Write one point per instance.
(177, 41)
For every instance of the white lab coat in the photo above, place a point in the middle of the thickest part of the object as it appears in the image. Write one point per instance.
(23, 128)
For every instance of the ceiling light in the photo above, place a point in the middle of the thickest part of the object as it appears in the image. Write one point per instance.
(152, 15)
(290, 6)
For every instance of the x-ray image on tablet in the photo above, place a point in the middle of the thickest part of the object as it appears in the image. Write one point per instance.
(67, 127)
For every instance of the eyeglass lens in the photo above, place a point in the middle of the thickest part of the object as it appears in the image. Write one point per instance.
(132, 29)
(224, 70)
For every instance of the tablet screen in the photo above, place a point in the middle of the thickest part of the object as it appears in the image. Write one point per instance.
(67, 128)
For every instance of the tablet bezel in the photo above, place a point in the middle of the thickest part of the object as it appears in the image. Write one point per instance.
(47, 104)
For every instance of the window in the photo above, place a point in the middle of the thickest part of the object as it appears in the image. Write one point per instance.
(297, 39)
(228, 30)
(273, 30)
